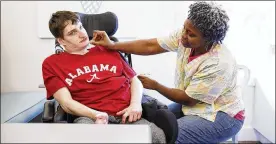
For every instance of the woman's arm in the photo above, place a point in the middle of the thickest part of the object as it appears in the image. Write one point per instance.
(139, 47)
(173, 94)
(176, 95)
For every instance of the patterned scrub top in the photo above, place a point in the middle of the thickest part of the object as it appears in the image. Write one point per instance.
(210, 78)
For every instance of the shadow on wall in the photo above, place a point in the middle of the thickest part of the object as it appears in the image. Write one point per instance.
(263, 116)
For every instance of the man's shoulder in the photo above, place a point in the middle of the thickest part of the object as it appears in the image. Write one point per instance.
(102, 49)
(51, 59)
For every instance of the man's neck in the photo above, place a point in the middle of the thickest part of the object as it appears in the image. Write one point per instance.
(81, 52)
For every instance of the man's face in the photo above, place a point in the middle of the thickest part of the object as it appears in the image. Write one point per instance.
(75, 37)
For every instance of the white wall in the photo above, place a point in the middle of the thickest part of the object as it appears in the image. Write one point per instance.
(22, 52)
(252, 40)
(44, 9)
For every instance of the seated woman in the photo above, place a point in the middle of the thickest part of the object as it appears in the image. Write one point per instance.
(94, 84)
(207, 99)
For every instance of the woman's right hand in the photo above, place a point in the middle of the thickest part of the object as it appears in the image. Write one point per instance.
(101, 38)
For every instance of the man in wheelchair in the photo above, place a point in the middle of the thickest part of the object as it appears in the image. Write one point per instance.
(93, 84)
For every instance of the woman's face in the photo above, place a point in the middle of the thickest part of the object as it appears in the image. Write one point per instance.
(191, 36)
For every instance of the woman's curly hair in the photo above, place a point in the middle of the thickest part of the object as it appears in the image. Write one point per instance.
(210, 19)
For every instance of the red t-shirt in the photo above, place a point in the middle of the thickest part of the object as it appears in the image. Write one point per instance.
(100, 79)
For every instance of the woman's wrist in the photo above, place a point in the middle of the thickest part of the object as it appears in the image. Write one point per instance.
(156, 86)
(112, 45)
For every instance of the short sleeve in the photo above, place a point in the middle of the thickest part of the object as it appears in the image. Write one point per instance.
(127, 70)
(170, 43)
(51, 81)
(208, 83)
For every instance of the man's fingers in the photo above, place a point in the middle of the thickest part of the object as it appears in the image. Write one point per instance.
(134, 117)
(131, 117)
(139, 115)
(124, 117)
(121, 112)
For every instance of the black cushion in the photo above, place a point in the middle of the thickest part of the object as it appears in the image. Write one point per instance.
(167, 121)
(107, 22)
(49, 111)
(60, 116)
(158, 113)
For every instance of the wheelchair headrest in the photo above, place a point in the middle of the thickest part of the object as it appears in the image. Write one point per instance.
(107, 22)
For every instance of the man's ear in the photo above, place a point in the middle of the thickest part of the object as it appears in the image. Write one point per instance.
(61, 41)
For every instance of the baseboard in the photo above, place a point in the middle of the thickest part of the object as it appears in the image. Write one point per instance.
(247, 133)
(262, 138)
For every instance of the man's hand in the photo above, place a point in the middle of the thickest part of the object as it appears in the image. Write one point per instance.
(101, 118)
(133, 112)
(147, 82)
(102, 39)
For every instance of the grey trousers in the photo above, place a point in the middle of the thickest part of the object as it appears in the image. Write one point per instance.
(158, 136)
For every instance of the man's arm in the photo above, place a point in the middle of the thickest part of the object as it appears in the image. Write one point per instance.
(134, 111)
(136, 91)
(73, 107)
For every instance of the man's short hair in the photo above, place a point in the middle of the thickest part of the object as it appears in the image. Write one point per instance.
(59, 21)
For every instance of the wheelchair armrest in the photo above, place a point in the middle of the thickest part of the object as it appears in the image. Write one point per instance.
(167, 121)
(161, 105)
(158, 113)
(149, 99)
(53, 113)
(49, 111)
(60, 116)
(150, 105)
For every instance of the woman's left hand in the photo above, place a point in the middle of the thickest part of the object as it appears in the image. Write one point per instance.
(147, 82)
